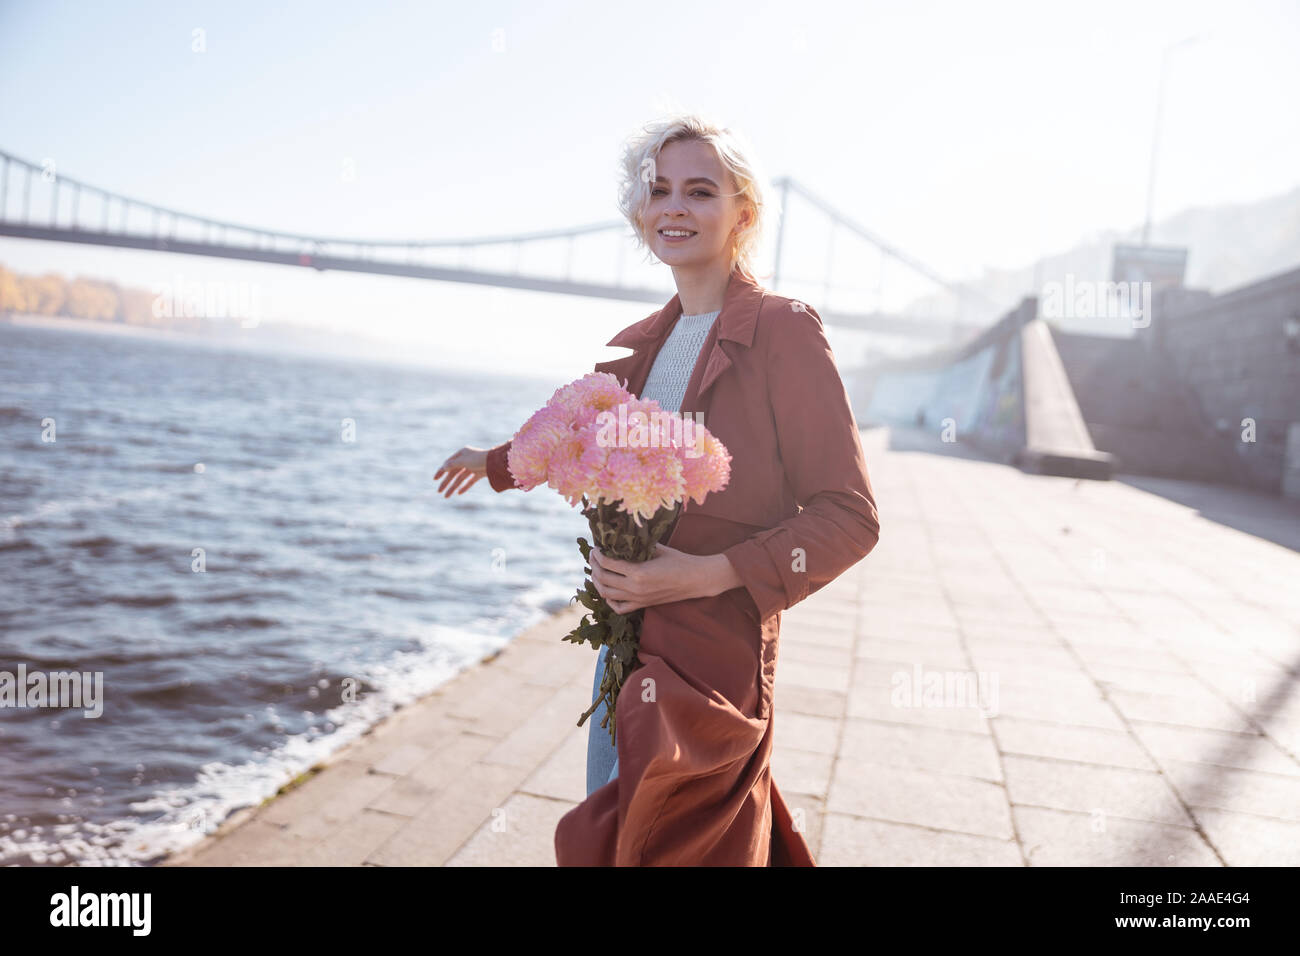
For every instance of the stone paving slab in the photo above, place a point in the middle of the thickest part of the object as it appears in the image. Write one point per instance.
(1140, 703)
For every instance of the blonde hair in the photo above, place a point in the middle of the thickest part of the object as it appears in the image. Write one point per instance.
(638, 173)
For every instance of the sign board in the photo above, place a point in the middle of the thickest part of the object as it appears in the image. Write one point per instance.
(1162, 266)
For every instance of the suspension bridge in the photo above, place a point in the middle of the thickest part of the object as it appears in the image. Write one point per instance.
(38, 203)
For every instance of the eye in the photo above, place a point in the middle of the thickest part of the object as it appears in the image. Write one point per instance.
(698, 192)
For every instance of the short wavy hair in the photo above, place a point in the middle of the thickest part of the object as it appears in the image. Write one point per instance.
(638, 172)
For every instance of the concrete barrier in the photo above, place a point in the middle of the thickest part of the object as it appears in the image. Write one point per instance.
(1005, 392)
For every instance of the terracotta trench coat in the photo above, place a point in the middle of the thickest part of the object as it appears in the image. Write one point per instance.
(694, 785)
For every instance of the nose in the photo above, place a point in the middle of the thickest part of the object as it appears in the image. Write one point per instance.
(674, 206)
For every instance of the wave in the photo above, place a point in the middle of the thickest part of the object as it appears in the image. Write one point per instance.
(140, 600)
(19, 544)
(99, 541)
(50, 509)
(400, 595)
(89, 448)
(170, 467)
(184, 815)
(244, 595)
(251, 622)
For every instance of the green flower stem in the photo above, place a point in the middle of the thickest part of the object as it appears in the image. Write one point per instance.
(621, 537)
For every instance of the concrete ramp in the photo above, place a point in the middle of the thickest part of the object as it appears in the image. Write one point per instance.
(1057, 441)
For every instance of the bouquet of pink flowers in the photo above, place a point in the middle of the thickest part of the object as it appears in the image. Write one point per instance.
(632, 465)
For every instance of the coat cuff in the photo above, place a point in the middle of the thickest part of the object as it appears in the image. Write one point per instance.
(498, 469)
(764, 564)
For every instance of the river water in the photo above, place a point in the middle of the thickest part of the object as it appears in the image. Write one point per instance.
(250, 550)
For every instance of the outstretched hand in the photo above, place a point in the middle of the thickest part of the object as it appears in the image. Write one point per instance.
(468, 463)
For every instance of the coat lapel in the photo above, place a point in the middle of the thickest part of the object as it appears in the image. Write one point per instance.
(735, 323)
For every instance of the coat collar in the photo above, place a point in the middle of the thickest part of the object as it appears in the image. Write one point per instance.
(735, 323)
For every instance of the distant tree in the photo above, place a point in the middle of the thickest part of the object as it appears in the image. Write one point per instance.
(13, 294)
(46, 295)
(136, 307)
(92, 299)
(97, 300)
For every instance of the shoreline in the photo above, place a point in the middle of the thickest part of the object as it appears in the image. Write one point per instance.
(276, 337)
(32, 320)
(453, 695)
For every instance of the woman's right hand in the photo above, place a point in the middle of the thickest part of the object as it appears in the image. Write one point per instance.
(469, 462)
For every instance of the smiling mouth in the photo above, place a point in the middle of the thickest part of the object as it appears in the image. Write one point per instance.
(688, 233)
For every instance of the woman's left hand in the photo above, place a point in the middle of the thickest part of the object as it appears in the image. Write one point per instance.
(669, 575)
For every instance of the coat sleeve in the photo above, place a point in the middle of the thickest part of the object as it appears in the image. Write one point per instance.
(825, 467)
(498, 471)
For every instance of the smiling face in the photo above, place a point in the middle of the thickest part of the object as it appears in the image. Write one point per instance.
(690, 195)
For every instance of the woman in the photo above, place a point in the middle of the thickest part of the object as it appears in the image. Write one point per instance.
(690, 782)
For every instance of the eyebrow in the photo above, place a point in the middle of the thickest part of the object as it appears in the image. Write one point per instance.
(693, 179)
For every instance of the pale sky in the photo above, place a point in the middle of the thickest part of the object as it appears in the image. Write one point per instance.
(968, 135)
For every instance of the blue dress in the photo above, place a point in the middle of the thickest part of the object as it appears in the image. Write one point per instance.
(602, 756)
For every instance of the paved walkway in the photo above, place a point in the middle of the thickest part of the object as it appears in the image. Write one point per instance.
(1139, 702)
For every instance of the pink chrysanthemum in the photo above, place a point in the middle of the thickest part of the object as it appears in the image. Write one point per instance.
(575, 463)
(707, 466)
(575, 445)
(534, 444)
(642, 479)
(590, 395)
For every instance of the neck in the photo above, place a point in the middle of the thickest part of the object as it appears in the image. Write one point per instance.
(701, 288)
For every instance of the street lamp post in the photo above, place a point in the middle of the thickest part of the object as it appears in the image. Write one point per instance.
(1155, 135)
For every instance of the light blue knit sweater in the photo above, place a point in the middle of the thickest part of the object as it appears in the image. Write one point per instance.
(671, 372)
